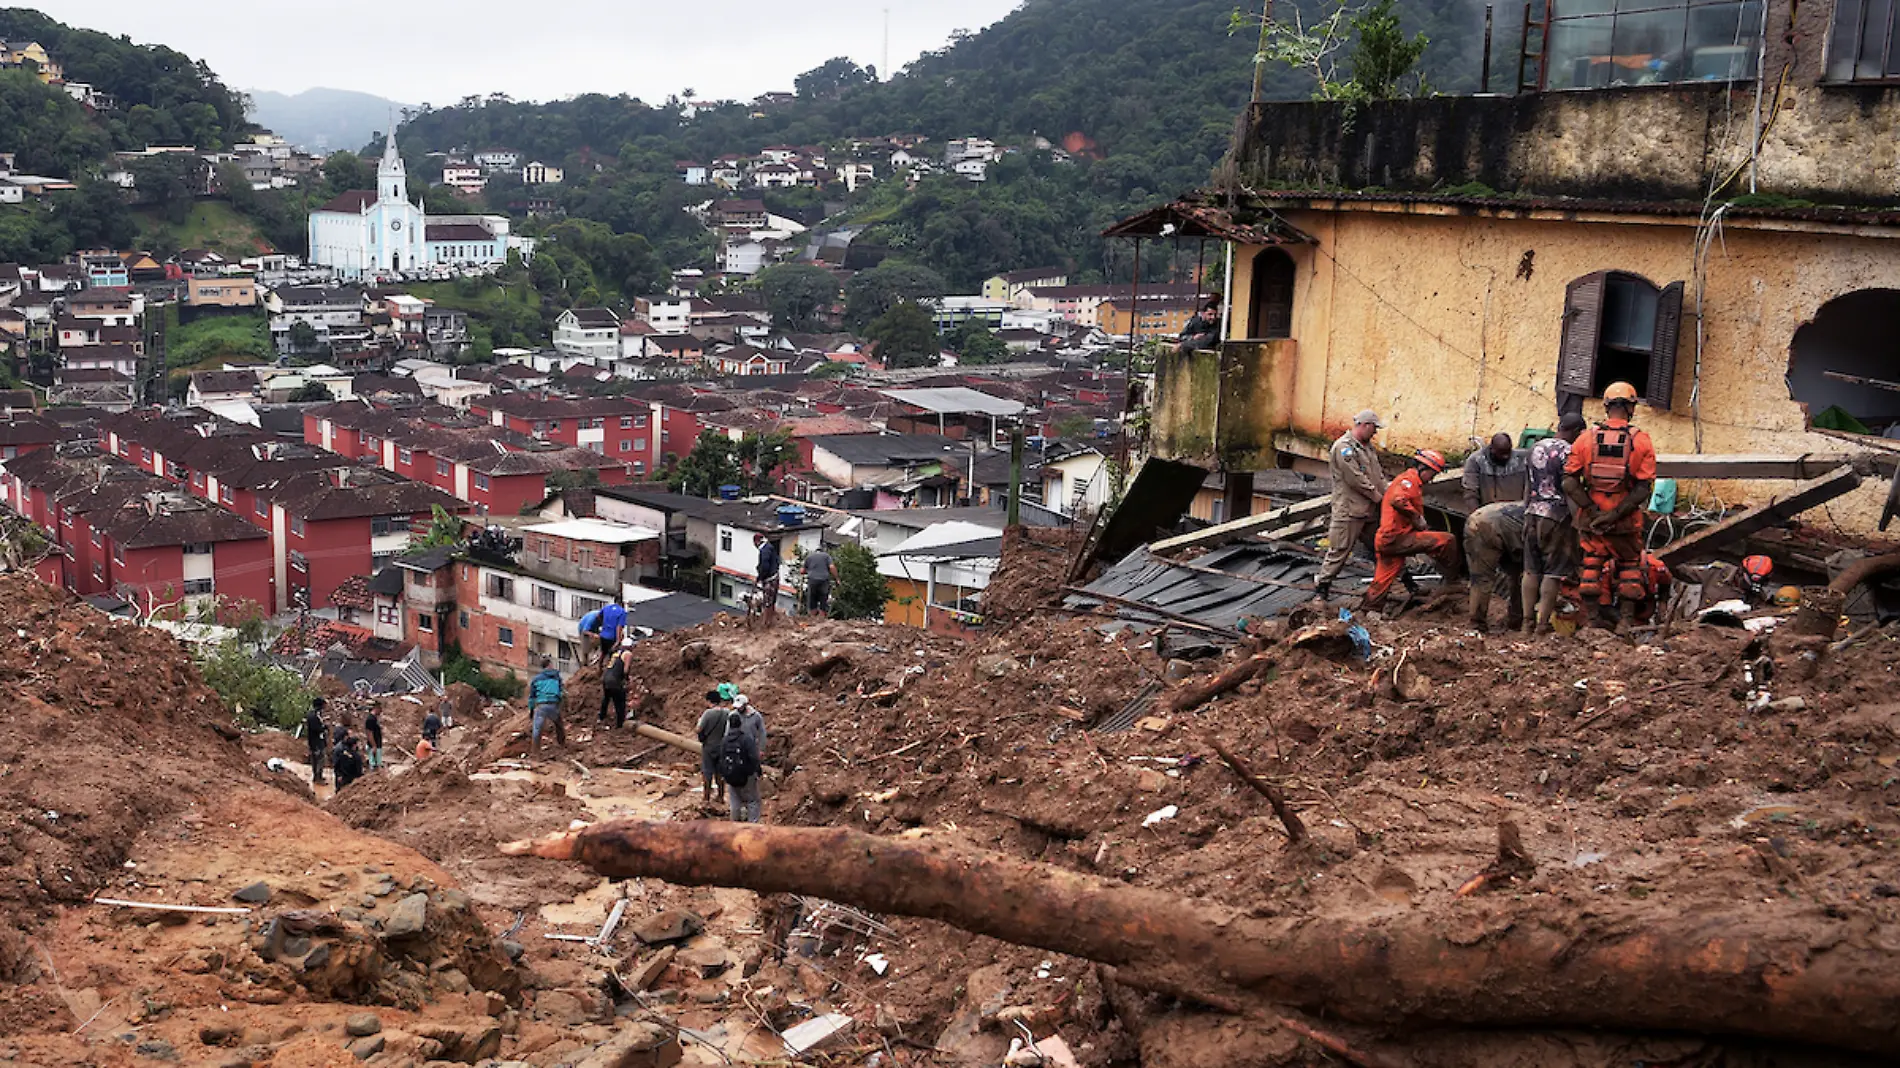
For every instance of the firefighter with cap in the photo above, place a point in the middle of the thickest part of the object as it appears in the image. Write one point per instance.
(1402, 530)
(1608, 478)
(1358, 486)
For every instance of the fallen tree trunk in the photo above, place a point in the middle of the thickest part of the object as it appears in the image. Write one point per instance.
(677, 741)
(1781, 972)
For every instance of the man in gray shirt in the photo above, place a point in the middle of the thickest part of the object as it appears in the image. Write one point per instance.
(820, 572)
(1358, 487)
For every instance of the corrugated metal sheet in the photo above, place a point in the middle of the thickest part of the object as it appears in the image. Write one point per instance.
(1222, 590)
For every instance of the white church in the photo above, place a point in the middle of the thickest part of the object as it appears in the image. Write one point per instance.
(367, 232)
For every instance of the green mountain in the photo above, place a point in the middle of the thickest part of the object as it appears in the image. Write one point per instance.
(1144, 93)
(322, 120)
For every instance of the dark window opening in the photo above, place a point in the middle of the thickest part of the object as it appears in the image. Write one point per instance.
(1864, 44)
(1272, 313)
(1618, 327)
(1844, 366)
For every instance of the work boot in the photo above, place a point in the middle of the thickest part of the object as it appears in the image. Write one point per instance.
(1513, 616)
(1323, 592)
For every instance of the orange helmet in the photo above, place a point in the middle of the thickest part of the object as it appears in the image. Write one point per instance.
(1620, 392)
(1431, 458)
(1758, 567)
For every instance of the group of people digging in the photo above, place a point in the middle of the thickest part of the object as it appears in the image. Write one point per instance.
(1564, 516)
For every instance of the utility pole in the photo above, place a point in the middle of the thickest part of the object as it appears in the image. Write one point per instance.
(884, 72)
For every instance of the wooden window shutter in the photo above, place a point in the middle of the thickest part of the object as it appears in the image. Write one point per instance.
(1662, 359)
(1583, 330)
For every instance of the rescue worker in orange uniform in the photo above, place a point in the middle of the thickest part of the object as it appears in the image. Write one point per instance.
(1608, 479)
(1402, 530)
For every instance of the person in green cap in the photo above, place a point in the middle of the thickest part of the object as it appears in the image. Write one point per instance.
(712, 727)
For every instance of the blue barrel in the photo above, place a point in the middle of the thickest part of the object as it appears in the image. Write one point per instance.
(729, 492)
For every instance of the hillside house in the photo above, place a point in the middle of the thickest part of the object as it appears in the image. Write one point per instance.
(1601, 257)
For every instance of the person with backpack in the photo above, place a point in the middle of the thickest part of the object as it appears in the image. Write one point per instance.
(544, 697)
(712, 727)
(373, 726)
(613, 683)
(316, 737)
(739, 767)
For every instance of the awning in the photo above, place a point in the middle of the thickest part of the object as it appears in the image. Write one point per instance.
(1246, 223)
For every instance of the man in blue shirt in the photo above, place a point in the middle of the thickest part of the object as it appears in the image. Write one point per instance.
(768, 575)
(590, 626)
(613, 619)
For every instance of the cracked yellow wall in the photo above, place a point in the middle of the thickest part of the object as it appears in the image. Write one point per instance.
(1427, 320)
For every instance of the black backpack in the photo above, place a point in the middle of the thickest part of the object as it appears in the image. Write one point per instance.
(738, 761)
(615, 677)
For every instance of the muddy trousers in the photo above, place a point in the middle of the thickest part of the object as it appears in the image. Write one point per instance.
(1342, 536)
(617, 700)
(1612, 568)
(1393, 550)
(743, 802)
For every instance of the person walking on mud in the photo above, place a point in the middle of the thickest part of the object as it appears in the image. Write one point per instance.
(739, 765)
(769, 563)
(711, 728)
(613, 683)
(373, 726)
(544, 697)
(317, 738)
(348, 760)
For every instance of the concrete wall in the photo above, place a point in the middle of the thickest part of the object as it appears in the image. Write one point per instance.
(1432, 321)
(1831, 145)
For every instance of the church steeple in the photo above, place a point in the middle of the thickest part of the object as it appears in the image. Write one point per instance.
(391, 183)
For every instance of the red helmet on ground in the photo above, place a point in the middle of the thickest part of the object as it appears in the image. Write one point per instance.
(1758, 567)
(1431, 458)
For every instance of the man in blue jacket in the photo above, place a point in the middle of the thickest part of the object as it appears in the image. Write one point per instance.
(613, 619)
(590, 627)
(544, 697)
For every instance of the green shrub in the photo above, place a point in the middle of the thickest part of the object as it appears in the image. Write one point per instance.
(459, 668)
(261, 694)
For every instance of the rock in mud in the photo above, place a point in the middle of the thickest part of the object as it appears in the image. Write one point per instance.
(638, 1045)
(362, 1025)
(255, 894)
(673, 925)
(409, 917)
(368, 1046)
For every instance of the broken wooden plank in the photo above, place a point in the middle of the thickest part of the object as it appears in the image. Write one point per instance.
(1223, 533)
(159, 906)
(1749, 465)
(1778, 509)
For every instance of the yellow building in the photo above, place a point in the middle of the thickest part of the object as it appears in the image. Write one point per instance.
(18, 55)
(1161, 316)
(1456, 311)
(1013, 287)
(236, 291)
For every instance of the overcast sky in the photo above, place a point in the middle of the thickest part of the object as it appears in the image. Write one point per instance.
(437, 52)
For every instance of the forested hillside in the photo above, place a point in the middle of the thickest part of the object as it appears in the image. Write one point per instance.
(164, 97)
(1143, 92)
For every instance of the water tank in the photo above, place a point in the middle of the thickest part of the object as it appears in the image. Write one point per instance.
(729, 492)
(791, 515)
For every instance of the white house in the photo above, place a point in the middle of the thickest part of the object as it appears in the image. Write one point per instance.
(538, 173)
(666, 315)
(854, 175)
(498, 159)
(591, 334)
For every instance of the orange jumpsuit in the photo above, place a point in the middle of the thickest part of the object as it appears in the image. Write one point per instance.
(1610, 460)
(1401, 516)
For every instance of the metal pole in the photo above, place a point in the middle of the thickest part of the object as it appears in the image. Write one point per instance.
(1015, 514)
(1484, 72)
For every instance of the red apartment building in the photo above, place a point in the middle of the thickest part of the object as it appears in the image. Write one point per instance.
(619, 428)
(327, 517)
(127, 532)
(498, 470)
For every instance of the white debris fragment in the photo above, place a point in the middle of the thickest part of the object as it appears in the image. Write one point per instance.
(1159, 815)
(814, 1032)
